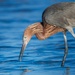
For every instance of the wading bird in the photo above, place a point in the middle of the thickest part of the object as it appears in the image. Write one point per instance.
(59, 17)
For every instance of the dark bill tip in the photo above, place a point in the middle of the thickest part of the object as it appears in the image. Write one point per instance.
(21, 52)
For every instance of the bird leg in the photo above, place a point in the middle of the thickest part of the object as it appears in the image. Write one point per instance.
(66, 49)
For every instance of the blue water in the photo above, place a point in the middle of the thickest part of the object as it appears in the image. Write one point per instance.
(40, 57)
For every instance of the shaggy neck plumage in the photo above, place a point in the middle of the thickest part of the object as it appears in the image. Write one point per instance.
(44, 32)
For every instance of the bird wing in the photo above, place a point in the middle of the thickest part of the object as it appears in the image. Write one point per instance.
(61, 14)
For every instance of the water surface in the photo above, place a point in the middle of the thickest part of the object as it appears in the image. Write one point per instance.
(40, 57)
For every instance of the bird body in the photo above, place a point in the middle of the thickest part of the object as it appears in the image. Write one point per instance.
(59, 17)
(60, 14)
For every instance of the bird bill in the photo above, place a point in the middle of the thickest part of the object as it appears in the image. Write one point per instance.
(22, 51)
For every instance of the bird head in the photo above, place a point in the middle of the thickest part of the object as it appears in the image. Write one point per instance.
(28, 33)
(26, 38)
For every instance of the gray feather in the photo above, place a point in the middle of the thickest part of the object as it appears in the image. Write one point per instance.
(60, 14)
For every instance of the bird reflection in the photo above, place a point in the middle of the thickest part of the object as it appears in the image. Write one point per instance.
(67, 71)
(25, 71)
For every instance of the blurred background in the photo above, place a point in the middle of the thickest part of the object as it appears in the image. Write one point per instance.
(40, 57)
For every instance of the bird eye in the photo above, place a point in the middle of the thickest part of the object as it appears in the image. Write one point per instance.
(25, 37)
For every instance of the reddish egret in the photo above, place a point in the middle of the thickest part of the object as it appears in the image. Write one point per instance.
(59, 17)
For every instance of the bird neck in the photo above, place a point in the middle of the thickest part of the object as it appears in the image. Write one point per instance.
(50, 30)
(44, 32)
(38, 30)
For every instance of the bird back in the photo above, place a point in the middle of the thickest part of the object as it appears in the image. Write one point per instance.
(60, 14)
